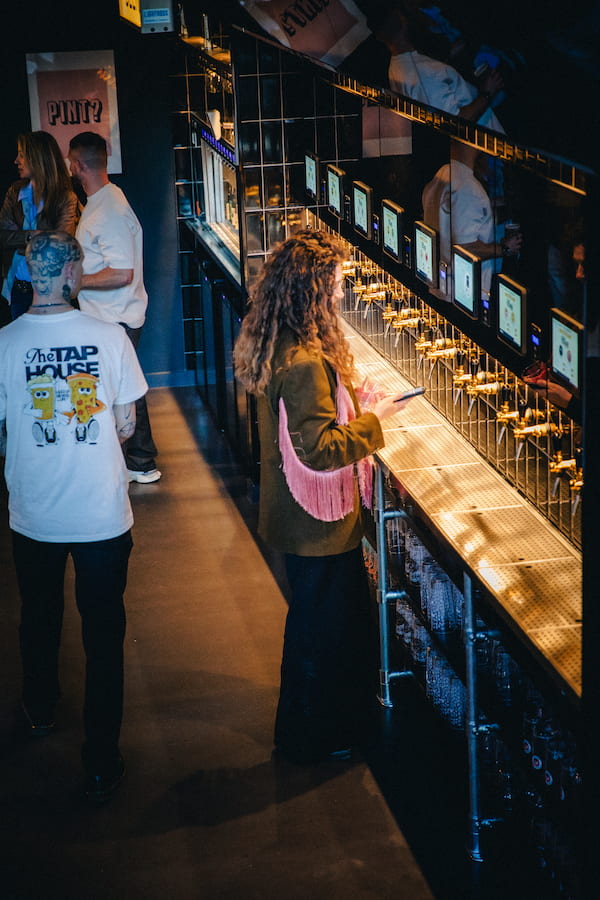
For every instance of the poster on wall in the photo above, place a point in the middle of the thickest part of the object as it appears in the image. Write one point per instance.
(329, 30)
(74, 92)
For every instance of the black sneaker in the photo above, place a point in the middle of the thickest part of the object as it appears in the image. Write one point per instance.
(99, 788)
(38, 723)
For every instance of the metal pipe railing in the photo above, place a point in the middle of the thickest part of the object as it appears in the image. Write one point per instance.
(385, 596)
(473, 726)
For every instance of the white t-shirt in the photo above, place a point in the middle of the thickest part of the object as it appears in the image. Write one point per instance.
(436, 84)
(111, 236)
(60, 376)
(456, 204)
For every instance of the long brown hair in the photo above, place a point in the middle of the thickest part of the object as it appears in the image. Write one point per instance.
(295, 290)
(49, 172)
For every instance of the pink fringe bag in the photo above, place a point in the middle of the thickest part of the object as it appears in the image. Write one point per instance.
(327, 496)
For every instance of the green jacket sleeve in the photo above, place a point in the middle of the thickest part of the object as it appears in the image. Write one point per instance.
(308, 392)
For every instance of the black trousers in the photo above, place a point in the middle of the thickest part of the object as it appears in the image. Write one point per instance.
(139, 449)
(100, 580)
(329, 664)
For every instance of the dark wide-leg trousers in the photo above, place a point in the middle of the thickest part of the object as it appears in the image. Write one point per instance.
(140, 449)
(100, 580)
(329, 668)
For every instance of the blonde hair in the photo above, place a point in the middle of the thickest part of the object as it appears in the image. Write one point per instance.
(295, 290)
(48, 169)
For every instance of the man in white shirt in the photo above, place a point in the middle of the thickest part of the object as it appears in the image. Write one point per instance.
(431, 81)
(457, 206)
(113, 286)
(68, 386)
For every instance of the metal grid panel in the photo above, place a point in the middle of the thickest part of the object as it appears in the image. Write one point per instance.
(452, 488)
(562, 647)
(418, 414)
(496, 536)
(538, 595)
(424, 448)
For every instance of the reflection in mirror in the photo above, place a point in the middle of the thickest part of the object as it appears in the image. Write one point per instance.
(462, 202)
(253, 188)
(254, 232)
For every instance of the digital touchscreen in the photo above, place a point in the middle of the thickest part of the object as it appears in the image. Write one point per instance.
(362, 207)
(392, 229)
(466, 280)
(311, 168)
(426, 254)
(565, 348)
(512, 300)
(335, 196)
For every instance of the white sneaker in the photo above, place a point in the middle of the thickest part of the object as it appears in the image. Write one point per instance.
(144, 477)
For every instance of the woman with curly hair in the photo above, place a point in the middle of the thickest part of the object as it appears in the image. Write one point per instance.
(41, 200)
(315, 476)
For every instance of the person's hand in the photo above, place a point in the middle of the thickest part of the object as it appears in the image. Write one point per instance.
(491, 83)
(554, 393)
(511, 245)
(388, 406)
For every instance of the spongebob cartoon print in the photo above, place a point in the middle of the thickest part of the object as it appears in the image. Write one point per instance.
(85, 406)
(62, 385)
(42, 406)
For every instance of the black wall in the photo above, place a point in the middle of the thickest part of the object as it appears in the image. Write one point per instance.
(143, 64)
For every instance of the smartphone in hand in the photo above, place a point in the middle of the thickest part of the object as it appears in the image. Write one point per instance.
(413, 392)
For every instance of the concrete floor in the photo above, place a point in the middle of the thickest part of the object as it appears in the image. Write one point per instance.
(203, 813)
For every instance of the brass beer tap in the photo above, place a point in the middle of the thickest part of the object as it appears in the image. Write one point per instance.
(575, 486)
(442, 348)
(507, 416)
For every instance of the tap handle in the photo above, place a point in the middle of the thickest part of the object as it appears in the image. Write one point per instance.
(474, 365)
(522, 407)
(557, 441)
(460, 357)
(505, 393)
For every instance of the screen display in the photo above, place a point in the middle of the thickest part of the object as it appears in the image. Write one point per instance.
(392, 229)
(425, 253)
(362, 208)
(466, 280)
(310, 165)
(511, 313)
(334, 189)
(565, 348)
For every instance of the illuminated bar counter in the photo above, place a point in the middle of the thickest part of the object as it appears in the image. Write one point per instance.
(528, 571)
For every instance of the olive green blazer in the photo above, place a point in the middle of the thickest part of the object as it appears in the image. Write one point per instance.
(307, 384)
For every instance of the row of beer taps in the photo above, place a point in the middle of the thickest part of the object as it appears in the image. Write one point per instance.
(401, 311)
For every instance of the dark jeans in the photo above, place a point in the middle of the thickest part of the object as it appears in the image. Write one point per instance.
(328, 669)
(140, 449)
(20, 299)
(100, 579)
